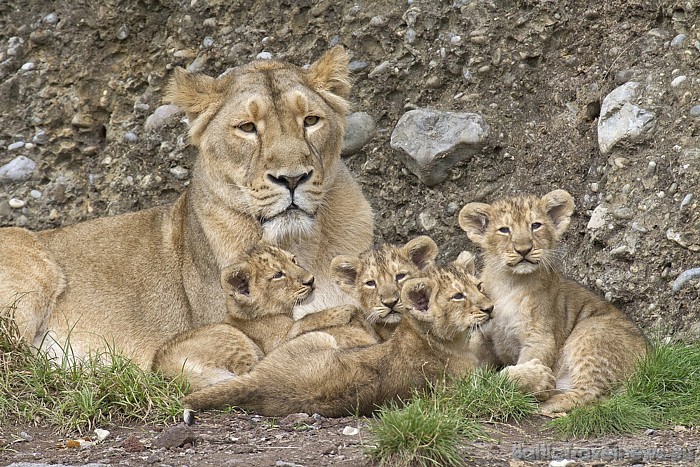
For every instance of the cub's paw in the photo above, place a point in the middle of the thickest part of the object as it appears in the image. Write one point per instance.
(533, 377)
(337, 316)
(188, 416)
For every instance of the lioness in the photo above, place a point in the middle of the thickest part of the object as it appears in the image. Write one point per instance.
(309, 375)
(269, 136)
(588, 343)
(262, 288)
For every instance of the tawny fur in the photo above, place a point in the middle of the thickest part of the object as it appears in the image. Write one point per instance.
(309, 375)
(541, 316)
(375, 277)
(133, 281)
(262, 287)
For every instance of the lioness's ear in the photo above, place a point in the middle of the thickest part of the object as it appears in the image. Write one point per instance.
(559, 205)
(200, 96)
(415, 295)
(344, 270)
(421, 251)
(235, 280)
(329, 77)
(466, 262)
(474, 219)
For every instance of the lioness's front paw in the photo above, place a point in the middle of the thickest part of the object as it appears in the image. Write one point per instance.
(533, 377)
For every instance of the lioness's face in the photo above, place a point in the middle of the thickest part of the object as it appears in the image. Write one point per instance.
(271, 145)
(450, 302)
(265, 281)
(519, 235)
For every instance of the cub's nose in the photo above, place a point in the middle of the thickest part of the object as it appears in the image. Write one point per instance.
(390, 303)
(523, 251)
(309, 281)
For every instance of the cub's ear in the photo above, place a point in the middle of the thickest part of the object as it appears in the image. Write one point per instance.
(559, 205)
(235, 280)
(421, 251)
(329, 76)
(466, 262)
(200, 96)
(344, 270)
(416, 295)
(474, 219)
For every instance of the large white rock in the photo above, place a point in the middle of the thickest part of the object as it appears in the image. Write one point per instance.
(621, 120)
(18, 169)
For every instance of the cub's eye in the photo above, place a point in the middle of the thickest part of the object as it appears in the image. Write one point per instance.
(458, 296)
(311, 120)
(278, 275)
(504, 230)
(535, 225)
(370, 283)
(247, 127)
(400, 276)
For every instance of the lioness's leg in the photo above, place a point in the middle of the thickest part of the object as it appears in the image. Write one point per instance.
(30, 282)
(207, 355)
(599, 354)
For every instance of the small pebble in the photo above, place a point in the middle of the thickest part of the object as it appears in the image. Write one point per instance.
(678, 80)
(16, 203)
(122, 32)
(678, 40)
(264, 56)
(695, 111)
(36, 194)
(51, 18)
(455, 40)
(686, 200)
(130, 137)
(15, 145)
(350, 431)
(28, 66)
(40, 138)
(357, 65)
(594, 187)
(207, 42)
(29, 146)
(180, 172)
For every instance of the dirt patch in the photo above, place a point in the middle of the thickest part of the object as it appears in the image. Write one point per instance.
(237, 439)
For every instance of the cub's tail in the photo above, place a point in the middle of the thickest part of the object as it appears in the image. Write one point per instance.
(239, 391)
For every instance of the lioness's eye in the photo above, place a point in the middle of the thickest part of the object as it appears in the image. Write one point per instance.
(535, 225)
(458, 296)
(400, 276)
(480, 287)
(311, 120)
(247, 127)
(294, 260)
(370, 283)
(278, 275)
(504, 230)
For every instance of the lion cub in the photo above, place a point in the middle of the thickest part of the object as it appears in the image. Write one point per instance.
(375, 278)
(262, 288)
(588, 343)
(308, 375)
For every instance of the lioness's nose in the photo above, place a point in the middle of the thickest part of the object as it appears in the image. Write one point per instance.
(487, 309)
(290, 181)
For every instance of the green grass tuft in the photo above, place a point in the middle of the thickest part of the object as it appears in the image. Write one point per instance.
(490, 396)
(425, 432)
(100, 390)
(663, 391)
(618, 415)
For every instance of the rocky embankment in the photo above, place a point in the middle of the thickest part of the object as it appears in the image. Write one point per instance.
(457, 101)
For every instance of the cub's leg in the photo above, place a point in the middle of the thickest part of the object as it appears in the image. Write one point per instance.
(207, 355)
(600, 353)
(266, 389)
(345, 323)
(533, 377)
(30, 282)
